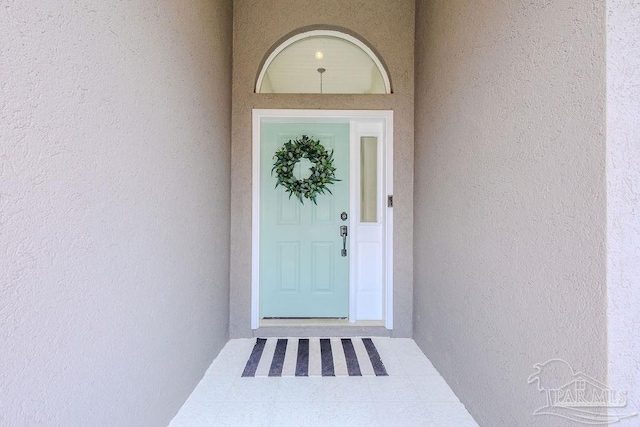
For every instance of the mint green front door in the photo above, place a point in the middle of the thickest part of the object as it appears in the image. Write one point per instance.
(302, 270)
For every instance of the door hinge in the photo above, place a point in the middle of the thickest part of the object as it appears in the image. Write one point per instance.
(389, 201)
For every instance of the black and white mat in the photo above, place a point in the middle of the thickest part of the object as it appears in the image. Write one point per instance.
(308, 357)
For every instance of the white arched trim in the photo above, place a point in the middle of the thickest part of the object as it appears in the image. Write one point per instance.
(330, 33)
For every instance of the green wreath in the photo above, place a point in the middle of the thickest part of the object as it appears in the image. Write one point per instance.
(322, 171)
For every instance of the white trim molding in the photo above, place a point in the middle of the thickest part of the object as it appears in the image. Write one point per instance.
(358, 119)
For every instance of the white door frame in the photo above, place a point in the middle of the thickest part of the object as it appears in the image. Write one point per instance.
(385, 117)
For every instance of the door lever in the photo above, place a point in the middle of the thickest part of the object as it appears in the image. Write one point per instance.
(343, 234)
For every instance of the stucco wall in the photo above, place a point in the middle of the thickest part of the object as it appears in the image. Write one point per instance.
(623, 198)
(114, 207)
(510, 209)
(389, 27)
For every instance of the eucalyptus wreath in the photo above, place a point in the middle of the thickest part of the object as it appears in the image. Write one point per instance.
(322, 171)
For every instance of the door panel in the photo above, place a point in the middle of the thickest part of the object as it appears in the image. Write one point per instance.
(302, 271)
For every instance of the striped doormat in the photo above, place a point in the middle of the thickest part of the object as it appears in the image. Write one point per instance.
(309, 357)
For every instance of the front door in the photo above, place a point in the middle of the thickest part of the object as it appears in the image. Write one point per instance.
(304, 271)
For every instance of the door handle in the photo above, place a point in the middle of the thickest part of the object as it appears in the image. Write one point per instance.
(343, 234)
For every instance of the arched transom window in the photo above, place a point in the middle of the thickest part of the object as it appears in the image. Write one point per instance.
(323, 61)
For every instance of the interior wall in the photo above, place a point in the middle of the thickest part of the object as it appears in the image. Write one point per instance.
(114, 207)
(623, 199)
(389, 27)
(510, 209)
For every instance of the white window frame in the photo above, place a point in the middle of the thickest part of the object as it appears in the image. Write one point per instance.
(330, 33)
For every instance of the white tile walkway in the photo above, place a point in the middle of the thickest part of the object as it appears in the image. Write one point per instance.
(413, 394)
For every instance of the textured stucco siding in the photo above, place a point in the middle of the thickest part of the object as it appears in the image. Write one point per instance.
(389, 27)
(623, 199)
(510, 189)
(114, 207)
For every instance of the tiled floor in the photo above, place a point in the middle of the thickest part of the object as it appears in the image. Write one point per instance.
(413, 394)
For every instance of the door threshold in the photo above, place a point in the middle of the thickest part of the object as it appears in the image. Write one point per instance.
(320, 328)
(318, 322)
